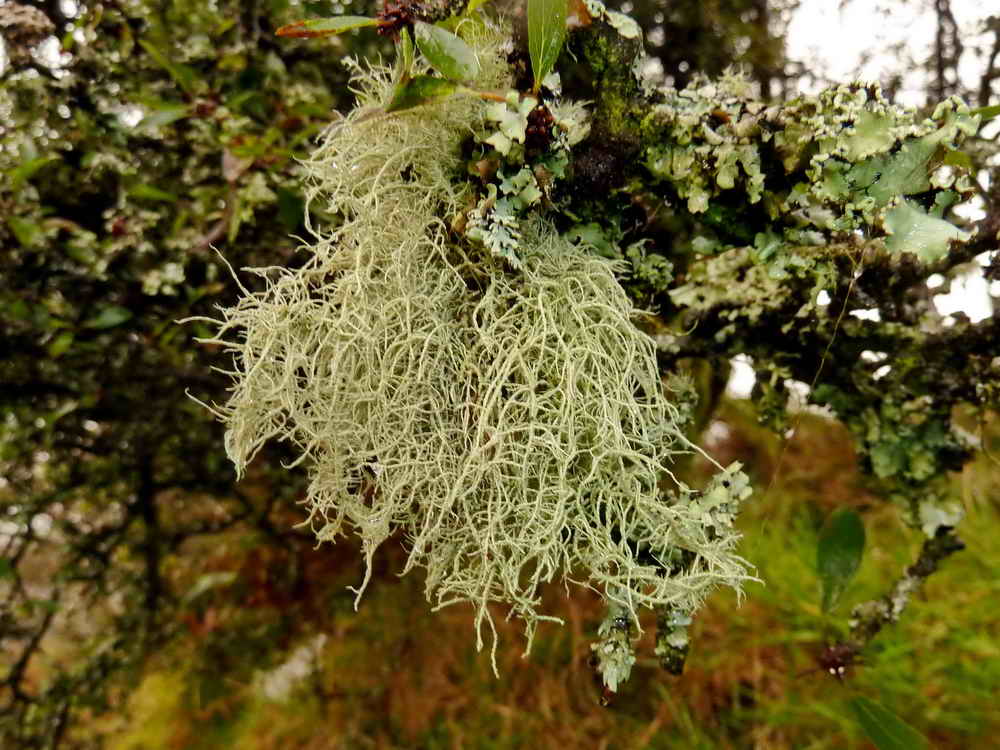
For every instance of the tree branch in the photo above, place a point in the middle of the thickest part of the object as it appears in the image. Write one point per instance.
(868, 618)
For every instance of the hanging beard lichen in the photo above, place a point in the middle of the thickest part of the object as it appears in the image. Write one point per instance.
(512, 423)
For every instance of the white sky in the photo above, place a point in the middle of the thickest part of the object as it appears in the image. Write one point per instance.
(838, 39)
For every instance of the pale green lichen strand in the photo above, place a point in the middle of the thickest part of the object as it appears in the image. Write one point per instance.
(511, 423)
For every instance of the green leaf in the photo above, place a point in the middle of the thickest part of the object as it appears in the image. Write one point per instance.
(27, 170)
(987, 113)
(447, 54)
(109, 317)
(19, 310)
(207, 582)
(420, 90)
(60, 344)
(235, 219)
(291, 208)
(546, 34)
(183, 75)
(912, 230)
(884, 728)
(404, 55)
(143, 191)
(318, 27)
(838, 554)
(6, 568)
(27, 232)
(164, 116)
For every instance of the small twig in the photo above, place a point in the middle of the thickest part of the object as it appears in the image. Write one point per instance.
(216, 233)
(868, 618)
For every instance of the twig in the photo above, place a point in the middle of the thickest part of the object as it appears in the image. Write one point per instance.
(868, 618)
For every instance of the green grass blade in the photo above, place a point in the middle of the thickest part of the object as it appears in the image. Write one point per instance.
(884, 728)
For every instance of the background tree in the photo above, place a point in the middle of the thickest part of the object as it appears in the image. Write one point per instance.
(169, 128)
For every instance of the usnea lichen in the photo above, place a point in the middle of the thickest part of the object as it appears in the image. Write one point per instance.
(511, 422)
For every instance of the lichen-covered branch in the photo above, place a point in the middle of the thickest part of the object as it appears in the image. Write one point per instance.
(868, 618)
(449, 364)
(673, 641)
(613, 653)
(764, 209)
(459, 358)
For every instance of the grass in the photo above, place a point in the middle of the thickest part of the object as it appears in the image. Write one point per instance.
(395, 675)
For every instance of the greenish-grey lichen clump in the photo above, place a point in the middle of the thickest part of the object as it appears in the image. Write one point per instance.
(512, 422)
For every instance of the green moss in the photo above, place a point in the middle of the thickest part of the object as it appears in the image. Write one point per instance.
(609, 58)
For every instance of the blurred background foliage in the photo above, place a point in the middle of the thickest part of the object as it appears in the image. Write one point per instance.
(148, 601)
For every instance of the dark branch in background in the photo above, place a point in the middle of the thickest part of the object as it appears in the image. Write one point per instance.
(14, 679)
(992, 73)
(146, 506)
(947, 50)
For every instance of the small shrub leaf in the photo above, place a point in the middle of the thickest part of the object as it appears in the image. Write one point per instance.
(447, 54)
(60, 344)
(546, 34)
(420, 90)
(207, 582)
(164, 115)
(318, 27)
(27, 170)
(109, 317)
(146, 192)
(838, 554)
(27, 232)
(884, 728)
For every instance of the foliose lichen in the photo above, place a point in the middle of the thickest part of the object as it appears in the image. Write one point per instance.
(850, 162)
